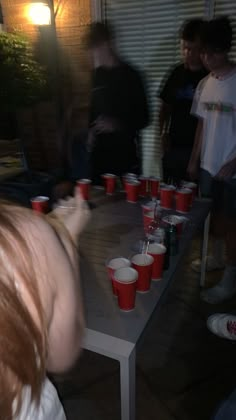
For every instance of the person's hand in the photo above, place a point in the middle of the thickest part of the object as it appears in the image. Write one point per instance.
(91, 138)
(63, 189)
(227, 171)
(73, 213)
(105, 124)
(192, 170)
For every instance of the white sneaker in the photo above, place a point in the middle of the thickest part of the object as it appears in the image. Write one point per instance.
(224, 290)
(211, 264)
(223, 325)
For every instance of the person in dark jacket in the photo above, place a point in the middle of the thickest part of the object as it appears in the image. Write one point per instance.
(118, 109)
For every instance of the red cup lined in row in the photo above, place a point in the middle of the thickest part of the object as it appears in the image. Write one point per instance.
(126, 280)
(147, 185)
(181, 199)
(40, 204)
(171, 219)
(84, 187)
(133, 185)
(110, 183)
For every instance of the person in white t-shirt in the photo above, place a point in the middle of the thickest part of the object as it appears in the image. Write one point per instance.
(215, 145)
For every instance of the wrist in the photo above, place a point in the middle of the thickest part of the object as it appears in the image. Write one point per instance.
(61, 229)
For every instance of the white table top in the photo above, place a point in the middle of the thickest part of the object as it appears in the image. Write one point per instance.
(115, 227)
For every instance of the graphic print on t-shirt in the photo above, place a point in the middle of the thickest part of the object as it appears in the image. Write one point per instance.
(219, 107)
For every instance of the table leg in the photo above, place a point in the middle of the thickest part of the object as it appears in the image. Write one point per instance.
(204, 250)
(127, 386)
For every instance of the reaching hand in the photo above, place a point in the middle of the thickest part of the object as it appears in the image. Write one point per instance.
(74, 213)
(91, 138)
(105, 124)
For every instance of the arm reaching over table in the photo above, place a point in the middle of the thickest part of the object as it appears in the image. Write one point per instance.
(67, 322)
(73, 214)
(41, 309)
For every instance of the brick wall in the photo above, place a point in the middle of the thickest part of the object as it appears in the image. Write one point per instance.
(39, 126)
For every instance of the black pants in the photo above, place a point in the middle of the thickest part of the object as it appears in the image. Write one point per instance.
(113, 154)
(223, 193)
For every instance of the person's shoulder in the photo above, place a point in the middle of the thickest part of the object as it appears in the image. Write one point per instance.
(175, 73)
(203, 82)
(129, 69)
(132, 76)
(178, 69)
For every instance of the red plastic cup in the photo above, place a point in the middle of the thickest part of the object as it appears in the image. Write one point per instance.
(110, 183)
(183, 199)
(132, 190)
(143, 263)
(125, 281)
(144, 186)
(40, 203)
(178, 221)
(148, 218)
(192, 186)
(128, 177)
(167, 196)
(148, 206)
(113, 265)
(84, 187)
(157, 251)
(154, 186)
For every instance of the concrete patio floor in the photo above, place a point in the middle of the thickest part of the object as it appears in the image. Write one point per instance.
(183, 371)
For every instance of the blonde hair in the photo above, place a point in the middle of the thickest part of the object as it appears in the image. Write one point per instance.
(22, 341)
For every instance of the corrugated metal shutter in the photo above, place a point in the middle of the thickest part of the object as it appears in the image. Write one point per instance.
(228, 8)
(147, 33)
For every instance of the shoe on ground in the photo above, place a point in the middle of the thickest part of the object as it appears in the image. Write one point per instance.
(223, 325)
(211, 264)
(224, 290)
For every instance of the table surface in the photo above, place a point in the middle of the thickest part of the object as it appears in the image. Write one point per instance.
(114, 229)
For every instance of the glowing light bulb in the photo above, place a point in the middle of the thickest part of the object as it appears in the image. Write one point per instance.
(40, 14)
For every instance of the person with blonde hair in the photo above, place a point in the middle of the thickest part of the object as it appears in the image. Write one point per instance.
(41, 311)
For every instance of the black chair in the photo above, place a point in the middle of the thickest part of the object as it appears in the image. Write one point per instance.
(20, 184)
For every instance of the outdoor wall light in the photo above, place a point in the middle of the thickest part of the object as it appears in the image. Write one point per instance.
(40, 13)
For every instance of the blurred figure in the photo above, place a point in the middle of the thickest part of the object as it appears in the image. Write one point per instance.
(118, 108)
(215, 147)
(41, 314)
(73, 143)
(177, 125)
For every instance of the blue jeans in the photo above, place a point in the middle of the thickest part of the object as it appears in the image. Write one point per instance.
(205, 183)
(223, 193)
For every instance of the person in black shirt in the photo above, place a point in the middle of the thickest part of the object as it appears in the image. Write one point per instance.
(177, 125)
(118, 108)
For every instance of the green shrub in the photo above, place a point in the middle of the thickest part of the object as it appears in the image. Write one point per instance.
(22, 79)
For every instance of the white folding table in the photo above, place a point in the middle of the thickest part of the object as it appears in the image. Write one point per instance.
(115, 228)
